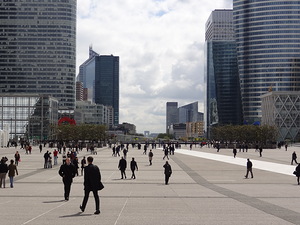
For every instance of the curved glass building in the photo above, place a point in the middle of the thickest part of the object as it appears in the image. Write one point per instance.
(268, 48)
(38, 48)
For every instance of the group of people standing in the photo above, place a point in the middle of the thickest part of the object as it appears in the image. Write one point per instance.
(11, 169)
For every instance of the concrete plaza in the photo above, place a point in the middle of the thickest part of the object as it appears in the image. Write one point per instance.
(202, 190)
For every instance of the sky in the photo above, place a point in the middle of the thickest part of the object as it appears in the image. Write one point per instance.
(161, 48)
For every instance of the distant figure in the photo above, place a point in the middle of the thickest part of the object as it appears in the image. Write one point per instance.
(297, 170)
(133, 167)
(168, 172)
(41, 147)
(55, 156)
(92, 182)
(286, 146)
(125, 153)
(294, 158)
(150, 155)
(145, 149)
(17, 158)
(260, 151)
(46, 158)
(3, 172)
(234, 151)
(12, 171)
(166, 151)
(122, 167)
(249, 168)
(83, 163)
(67, 172)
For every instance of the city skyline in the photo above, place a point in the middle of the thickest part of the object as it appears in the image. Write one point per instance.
(161, 44)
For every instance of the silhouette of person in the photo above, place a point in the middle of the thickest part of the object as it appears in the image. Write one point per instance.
(234, 152)
(67, 171)
(294, 158)
(150, 155)
(168, 172)
(297, 170)
(122, 167)
(92, 182)
(249, 168)
(133, 167)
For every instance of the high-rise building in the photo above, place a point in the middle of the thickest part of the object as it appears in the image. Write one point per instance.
(100, 77)
(38, 48)
(172, 114)
(189, 113)
(87, 72)
(268, 48)
(223, 98)
(107, 83)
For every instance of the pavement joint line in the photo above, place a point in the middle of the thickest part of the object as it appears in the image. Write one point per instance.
(122, 208)
(42, 214)
(269, 208)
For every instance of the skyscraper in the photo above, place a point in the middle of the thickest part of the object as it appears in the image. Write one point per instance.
(268, 47)
(172, 114)
(107, 83)
(223, 99)
(38, 48)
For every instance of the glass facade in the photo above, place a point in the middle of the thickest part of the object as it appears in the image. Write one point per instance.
(223, 98)
(268, 47)
(107, 83)
(172, 114)
(38, 48)
(28, 116)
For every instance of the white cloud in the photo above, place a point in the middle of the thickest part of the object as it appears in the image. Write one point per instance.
(160, 44)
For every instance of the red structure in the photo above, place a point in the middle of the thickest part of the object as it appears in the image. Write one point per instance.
(66, 120)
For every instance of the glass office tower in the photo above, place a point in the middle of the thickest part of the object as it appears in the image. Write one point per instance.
(268, 47)
(38, 48)
(223, 98)
(107, 83)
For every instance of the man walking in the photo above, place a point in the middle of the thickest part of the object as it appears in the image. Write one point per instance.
(168, 172)
(249, 168)
(12, 171)
(294, 158)
(150, 155)
(122, 167)
(92, 182)
(3, 172)
(67, 172)
(133, 166)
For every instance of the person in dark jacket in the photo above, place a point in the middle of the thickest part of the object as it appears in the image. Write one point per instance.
(249, 168)
(294, 158)
(133, 166)
(67, 171)
(92, 182)
(3, 172)
(122, 167)
(168, 172)
(297, 170)
(12, 171)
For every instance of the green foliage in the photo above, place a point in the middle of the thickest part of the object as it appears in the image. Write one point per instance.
(165, 136)
(245, 133)
(80, 132)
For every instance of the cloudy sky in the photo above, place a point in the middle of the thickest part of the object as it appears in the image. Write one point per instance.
(161, 47)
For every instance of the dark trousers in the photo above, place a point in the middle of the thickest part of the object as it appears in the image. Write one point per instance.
(133, 175)
(167, 176)
(67, 187)
(123, 173)
(86, 198)
(249, 170)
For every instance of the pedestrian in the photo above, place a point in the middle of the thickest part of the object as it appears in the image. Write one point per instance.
(122, 167)
(12, 171)
(83, 163)
(133, 166)
(17, 158)
(145, 149)
(55, 156)
(234, 152)
(294, 158)
(166, 151)
(249, 168)
(3, 172)
(46, 158)
(41, 147)
(297, 173)
(92, 182)
(125, 153)
(67, 172)
(75, 163)
(168, 172)
(150, 155)
(260, 151)
(286, 146)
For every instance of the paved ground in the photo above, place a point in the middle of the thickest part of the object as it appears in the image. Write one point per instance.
(201, 191)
